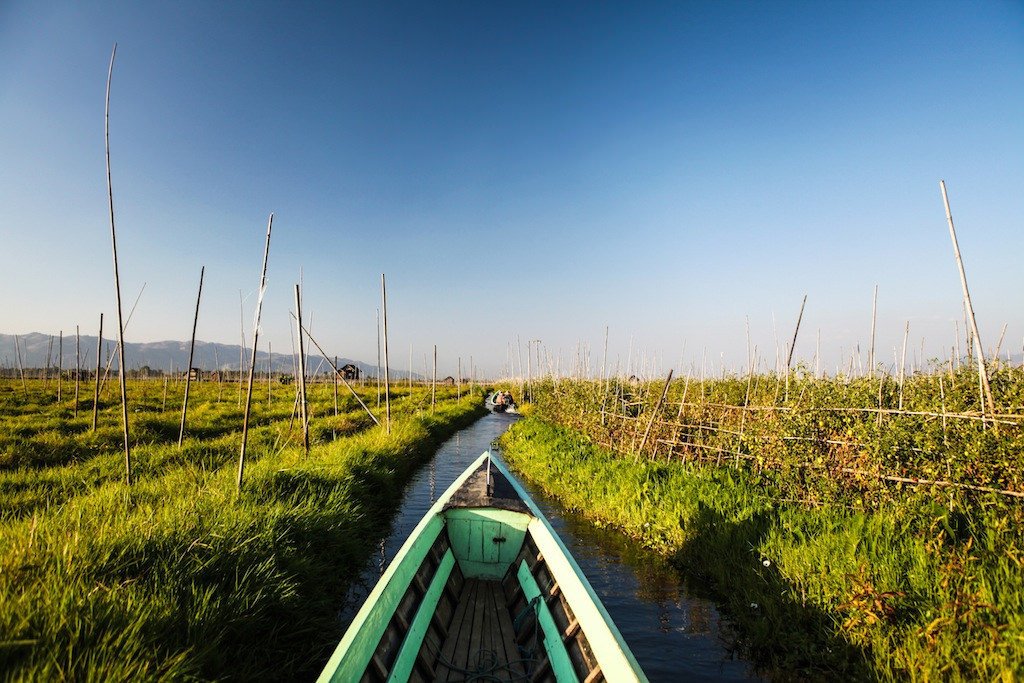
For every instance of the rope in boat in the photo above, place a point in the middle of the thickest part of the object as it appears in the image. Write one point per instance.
(487, 667)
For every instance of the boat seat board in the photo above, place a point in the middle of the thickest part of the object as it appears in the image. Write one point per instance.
(481, 639)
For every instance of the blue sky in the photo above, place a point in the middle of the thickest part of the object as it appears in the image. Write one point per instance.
(519, 171)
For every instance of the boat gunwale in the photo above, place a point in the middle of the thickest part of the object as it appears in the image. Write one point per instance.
(613, 654)
(589, 610)
(338, 666)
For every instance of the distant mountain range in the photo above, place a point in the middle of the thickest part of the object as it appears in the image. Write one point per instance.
(165, 355)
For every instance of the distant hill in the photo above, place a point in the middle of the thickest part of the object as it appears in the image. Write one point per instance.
(164, 355)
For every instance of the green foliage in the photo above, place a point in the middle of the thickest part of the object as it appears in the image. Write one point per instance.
(178, 576)
(827, 569)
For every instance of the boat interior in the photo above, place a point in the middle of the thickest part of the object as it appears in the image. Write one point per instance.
(483, 605)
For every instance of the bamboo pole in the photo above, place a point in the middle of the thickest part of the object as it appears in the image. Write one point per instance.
(78, 365)
(21, 366)
(220, 375)
(241, 349)
(191, 351)
(95, 393)
(433, 383)
(604, 360)
(654, 413)
(982, 373)
(341, 376)
(529, 370)
(903, 363)
(387, 373)
(792, 347)
(270, 368)
(956, 338)
(458, 381)
(295, 362)
(335, 395)
(519, 344)
(302, 374)
(252, 366)
(60, 363)
(967, 335)
(874, 318)
(127, 322)
(117, 286)
(46, 367)
(996, 356)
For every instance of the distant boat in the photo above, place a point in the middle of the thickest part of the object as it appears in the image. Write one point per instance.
(483, 590)
(500, 402)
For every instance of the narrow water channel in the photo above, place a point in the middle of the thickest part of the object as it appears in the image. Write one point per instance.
(674, 631)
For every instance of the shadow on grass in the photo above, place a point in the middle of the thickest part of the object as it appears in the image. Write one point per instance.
(788, 638)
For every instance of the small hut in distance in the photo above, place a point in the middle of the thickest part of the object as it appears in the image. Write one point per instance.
(350, 371)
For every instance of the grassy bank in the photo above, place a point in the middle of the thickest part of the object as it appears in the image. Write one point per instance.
(178, 576)
(929, 589)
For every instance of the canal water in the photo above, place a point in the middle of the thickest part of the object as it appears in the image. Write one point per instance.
(675, 632)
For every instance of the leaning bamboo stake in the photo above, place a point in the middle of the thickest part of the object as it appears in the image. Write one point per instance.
(78, 365)
(96, 391)
(340, 375)
(996, 356)
(982, 373)
(122, 368)
(302, 374)
(654, 413)
(191, 350)
(127, 322)
(387, 374)
(21, 366)
(252, 366)
(792, 347)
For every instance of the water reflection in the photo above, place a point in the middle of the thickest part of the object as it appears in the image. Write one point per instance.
(670, 623)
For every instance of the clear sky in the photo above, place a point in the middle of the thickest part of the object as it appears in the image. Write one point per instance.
(519, 170)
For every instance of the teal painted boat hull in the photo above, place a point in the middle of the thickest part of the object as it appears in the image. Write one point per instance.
(483, 589)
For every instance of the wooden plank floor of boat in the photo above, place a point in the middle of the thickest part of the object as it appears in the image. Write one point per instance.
(481, 640)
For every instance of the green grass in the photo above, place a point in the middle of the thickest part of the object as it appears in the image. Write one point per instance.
(177, 576)
(823, 577)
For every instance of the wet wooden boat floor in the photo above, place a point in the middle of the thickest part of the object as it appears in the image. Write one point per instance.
(481, 640)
